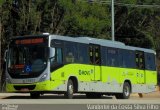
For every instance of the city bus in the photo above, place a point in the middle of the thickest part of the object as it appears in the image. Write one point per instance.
(67, 65)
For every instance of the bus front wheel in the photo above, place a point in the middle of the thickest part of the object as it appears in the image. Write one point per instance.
(70, 89)
(34, 95)
(126, 92)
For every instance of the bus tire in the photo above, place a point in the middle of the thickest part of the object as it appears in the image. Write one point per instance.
(93, 95)
(35, 95)
(126, 92)
(70, 90)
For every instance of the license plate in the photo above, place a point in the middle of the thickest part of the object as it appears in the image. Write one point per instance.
(28, 80)
(24, 90)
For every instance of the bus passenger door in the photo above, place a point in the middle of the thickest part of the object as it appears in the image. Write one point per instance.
(95, 60)
(140, 66)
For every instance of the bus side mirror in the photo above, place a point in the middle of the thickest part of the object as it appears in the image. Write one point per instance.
(5, 55)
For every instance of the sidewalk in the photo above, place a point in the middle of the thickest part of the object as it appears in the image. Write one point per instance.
(3, 95)
(155, 94)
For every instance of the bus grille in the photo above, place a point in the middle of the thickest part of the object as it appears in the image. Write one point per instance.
(30, 87)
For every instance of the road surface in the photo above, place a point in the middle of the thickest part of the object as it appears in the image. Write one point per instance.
(20, 101)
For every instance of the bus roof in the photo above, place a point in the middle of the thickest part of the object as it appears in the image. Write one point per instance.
(89, 40)
(27, 36)
(102, 42)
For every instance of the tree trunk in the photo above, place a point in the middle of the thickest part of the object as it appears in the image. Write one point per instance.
(0, 40)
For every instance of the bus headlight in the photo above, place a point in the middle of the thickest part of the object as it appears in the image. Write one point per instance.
(43, 77)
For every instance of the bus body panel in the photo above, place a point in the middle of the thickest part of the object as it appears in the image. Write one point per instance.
(109, 82)
(151, 77)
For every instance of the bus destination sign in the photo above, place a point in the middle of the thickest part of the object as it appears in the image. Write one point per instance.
(30, 41)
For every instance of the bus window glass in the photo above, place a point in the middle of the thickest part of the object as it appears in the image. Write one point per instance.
(70, 52)
(128, 59)
(59, 55)
(27, 61)
(103, 55)
(57, 59)
(97, 55)
(83, 54)
(91, 55)
(141, 60)
(112, 57)
(137, 60)
(150, 61)
(140, 64)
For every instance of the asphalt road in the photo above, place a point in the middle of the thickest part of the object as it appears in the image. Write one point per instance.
(17, 101)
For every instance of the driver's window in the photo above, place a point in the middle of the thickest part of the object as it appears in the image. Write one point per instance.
(59, 55)
(52, 57)
(57, 59)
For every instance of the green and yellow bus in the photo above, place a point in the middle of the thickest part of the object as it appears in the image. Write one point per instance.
(67, 65)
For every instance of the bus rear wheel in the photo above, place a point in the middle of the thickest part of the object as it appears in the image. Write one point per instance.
(126, 92)
(34, 95)
(70, 89)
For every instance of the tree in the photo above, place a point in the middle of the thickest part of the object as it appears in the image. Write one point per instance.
(77, 18)
(85, 19)
(133, 24)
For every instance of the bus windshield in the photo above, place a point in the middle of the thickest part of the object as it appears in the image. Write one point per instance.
(26, 61)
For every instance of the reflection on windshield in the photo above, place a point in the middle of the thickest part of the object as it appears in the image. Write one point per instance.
(27, 60)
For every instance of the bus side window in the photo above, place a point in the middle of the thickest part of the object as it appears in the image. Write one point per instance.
(56, 60)
(137, 60)
(112, 57)
(140, 60)
(59, 55)
(69, 57)
(70, 52)
(150, 63)
(97, 55)
(94, 53)
(91, 55)
(83, 56)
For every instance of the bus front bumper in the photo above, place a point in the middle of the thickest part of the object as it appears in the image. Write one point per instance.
(39, 86)
(56, 85)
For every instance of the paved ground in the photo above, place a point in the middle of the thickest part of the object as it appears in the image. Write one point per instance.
(20, 98)
(18, 101)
